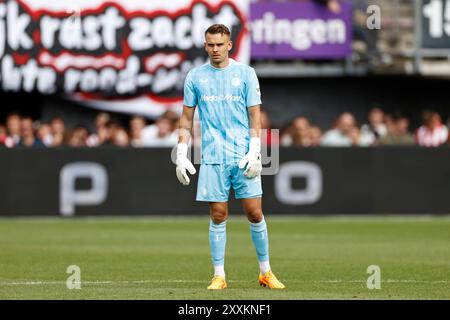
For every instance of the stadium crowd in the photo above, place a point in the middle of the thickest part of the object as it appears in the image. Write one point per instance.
(380, 129)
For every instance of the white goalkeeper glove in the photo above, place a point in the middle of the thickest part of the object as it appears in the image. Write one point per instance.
(183, 164)
(252, 160)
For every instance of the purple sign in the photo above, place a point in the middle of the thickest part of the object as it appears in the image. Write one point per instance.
(300, 30)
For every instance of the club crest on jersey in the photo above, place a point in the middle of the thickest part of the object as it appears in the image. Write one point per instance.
(236, 82)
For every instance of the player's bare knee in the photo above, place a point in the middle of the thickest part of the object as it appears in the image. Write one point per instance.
(219, 214)
(255, 216)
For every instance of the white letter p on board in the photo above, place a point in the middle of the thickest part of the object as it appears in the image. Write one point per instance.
(69, 196)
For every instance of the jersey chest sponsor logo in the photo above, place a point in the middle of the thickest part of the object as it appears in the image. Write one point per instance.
(221, 97)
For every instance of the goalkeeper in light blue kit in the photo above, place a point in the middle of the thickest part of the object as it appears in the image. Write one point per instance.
(228, 98)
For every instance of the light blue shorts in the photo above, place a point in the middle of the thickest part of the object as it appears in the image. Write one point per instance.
(215, 181)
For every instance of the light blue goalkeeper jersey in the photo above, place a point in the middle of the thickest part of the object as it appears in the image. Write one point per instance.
(223, 96)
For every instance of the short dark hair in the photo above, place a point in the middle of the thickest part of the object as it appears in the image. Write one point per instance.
(56, 118)
(398, 115)
(13, 114)
(218, 28)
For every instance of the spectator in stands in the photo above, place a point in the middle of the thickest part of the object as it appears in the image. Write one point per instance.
(44, 133)
(375, 129)
(161, 133)
(13, 127)
(58, 131)
(103, 136)
(342, 135)
(75, 138)
(102, 132)
(137, 124)
(433, 132)
(114, 127)
(3, 135)
(300, 133)
(402, 126)
(102, 119)
(121, 138)
(79, 136)
(397, 132)
(174, 118)
(297, 133)
(27, 136)
(355, 136)
(315, 135)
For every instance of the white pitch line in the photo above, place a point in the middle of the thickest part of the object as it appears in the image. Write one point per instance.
(44, 282)
(29, 283)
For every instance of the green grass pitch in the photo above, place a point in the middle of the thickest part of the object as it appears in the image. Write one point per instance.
(168, 258)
